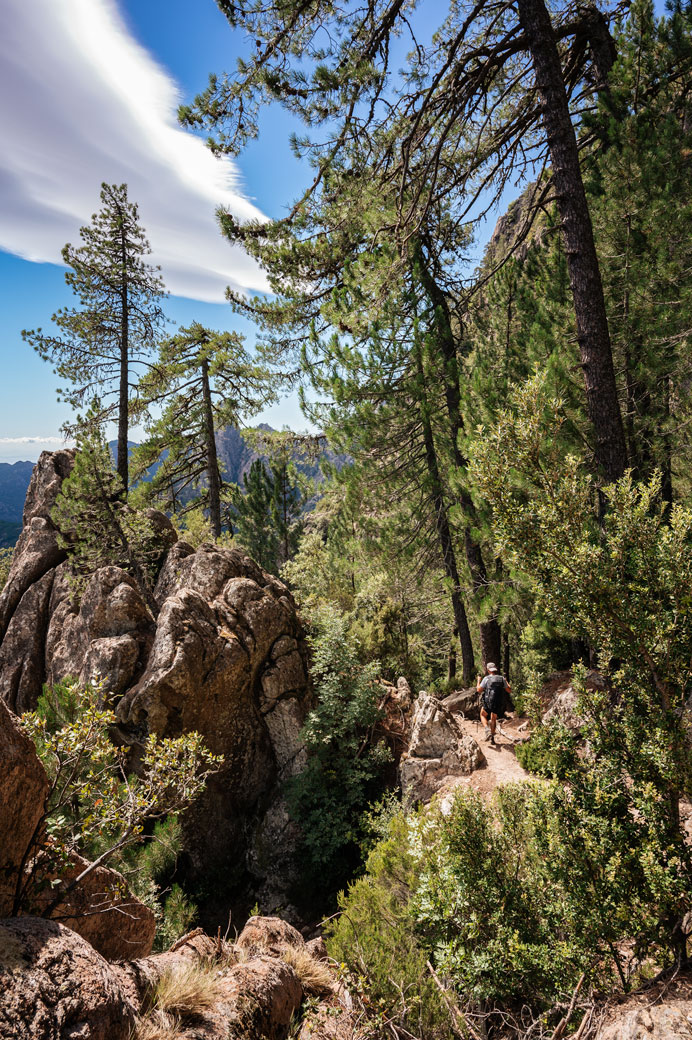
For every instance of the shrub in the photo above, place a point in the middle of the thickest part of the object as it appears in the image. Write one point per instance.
(94, 806)
(618, 578)
(374, 938)
(344, 768)
(550, 751)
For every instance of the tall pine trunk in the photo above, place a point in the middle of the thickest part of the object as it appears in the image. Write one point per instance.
(489, 629)
(124, 389)
(213, 477)
(444, 533)
(582, 261)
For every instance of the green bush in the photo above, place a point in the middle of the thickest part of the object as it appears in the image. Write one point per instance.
(95, 808)
(344, 767)
(550, 751)
(374, 939)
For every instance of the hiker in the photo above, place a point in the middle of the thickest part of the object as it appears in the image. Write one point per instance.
(493, 688)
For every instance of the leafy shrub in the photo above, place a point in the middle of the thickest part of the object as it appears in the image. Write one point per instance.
(343, 767)
(94, 807)
(550, 751)
(374, 938)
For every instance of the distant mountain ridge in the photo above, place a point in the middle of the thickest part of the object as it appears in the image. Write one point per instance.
(234, 451)
(14, 480)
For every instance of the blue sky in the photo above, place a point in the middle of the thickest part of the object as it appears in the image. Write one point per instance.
(56, 187)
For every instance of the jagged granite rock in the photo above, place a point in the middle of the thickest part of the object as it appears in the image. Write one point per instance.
(669, 1020)
(563, 699)
(23, 790)
(226, 657)
(438, 749)
(24, 600)
(54, 985)
(268, 935)
(256, 997)
(104, 912)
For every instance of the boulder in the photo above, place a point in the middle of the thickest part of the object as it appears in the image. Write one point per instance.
(669, 1020)
(438, 749)
(560, 697)
(105, 913)
(226, 657)
(464, 702)
(256, 996)
(54, 986)
(23, 791)
(268, 935)
(260, 998)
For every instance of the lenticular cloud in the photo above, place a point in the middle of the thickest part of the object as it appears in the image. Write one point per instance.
(82, 102)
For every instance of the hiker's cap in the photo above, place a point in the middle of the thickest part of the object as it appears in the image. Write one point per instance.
(491, 667)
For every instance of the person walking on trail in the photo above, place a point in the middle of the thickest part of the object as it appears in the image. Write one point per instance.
(492, 687)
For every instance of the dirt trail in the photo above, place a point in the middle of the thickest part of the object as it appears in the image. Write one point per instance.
(501, 765)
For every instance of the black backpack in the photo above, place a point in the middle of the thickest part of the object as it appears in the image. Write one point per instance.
(495, 696)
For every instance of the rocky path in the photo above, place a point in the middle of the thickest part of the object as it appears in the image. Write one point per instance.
(501, 765)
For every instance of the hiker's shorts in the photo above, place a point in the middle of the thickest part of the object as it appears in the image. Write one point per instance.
(493, 705)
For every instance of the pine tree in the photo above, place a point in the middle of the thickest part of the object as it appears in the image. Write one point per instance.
(641, 184)
(250, 516)
(205, 381)
(116, 324)
(494, 96)
(96, 525)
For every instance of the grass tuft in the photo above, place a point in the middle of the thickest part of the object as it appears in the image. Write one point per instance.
(187, 989)
(157, 1025)
(313, 974)
(184, 991)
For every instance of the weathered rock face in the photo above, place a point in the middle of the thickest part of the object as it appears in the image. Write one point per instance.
(104, 912)
(438, 749)
(23, 790)
(670, 1020)
(24, 600)
(54, 985)
(563, 698)
(464, 702)
(226, 657)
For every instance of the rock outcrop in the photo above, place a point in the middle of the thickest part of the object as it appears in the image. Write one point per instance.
(560, 697)
(54, 985)
(225, 656)
(438, 749)
(669, 1021)
(24, 600)
(23, 790)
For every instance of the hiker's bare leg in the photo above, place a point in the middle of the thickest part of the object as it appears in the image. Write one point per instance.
(493, 723)
(484, 717)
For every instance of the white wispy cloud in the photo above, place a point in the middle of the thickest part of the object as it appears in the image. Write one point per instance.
(82, 102)
(33, 440)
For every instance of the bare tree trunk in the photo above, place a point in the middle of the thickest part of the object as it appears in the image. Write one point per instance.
(452, 657)
(213, 476)
(489, 629)
(122, 463)
(582, 261)
(445, 535)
